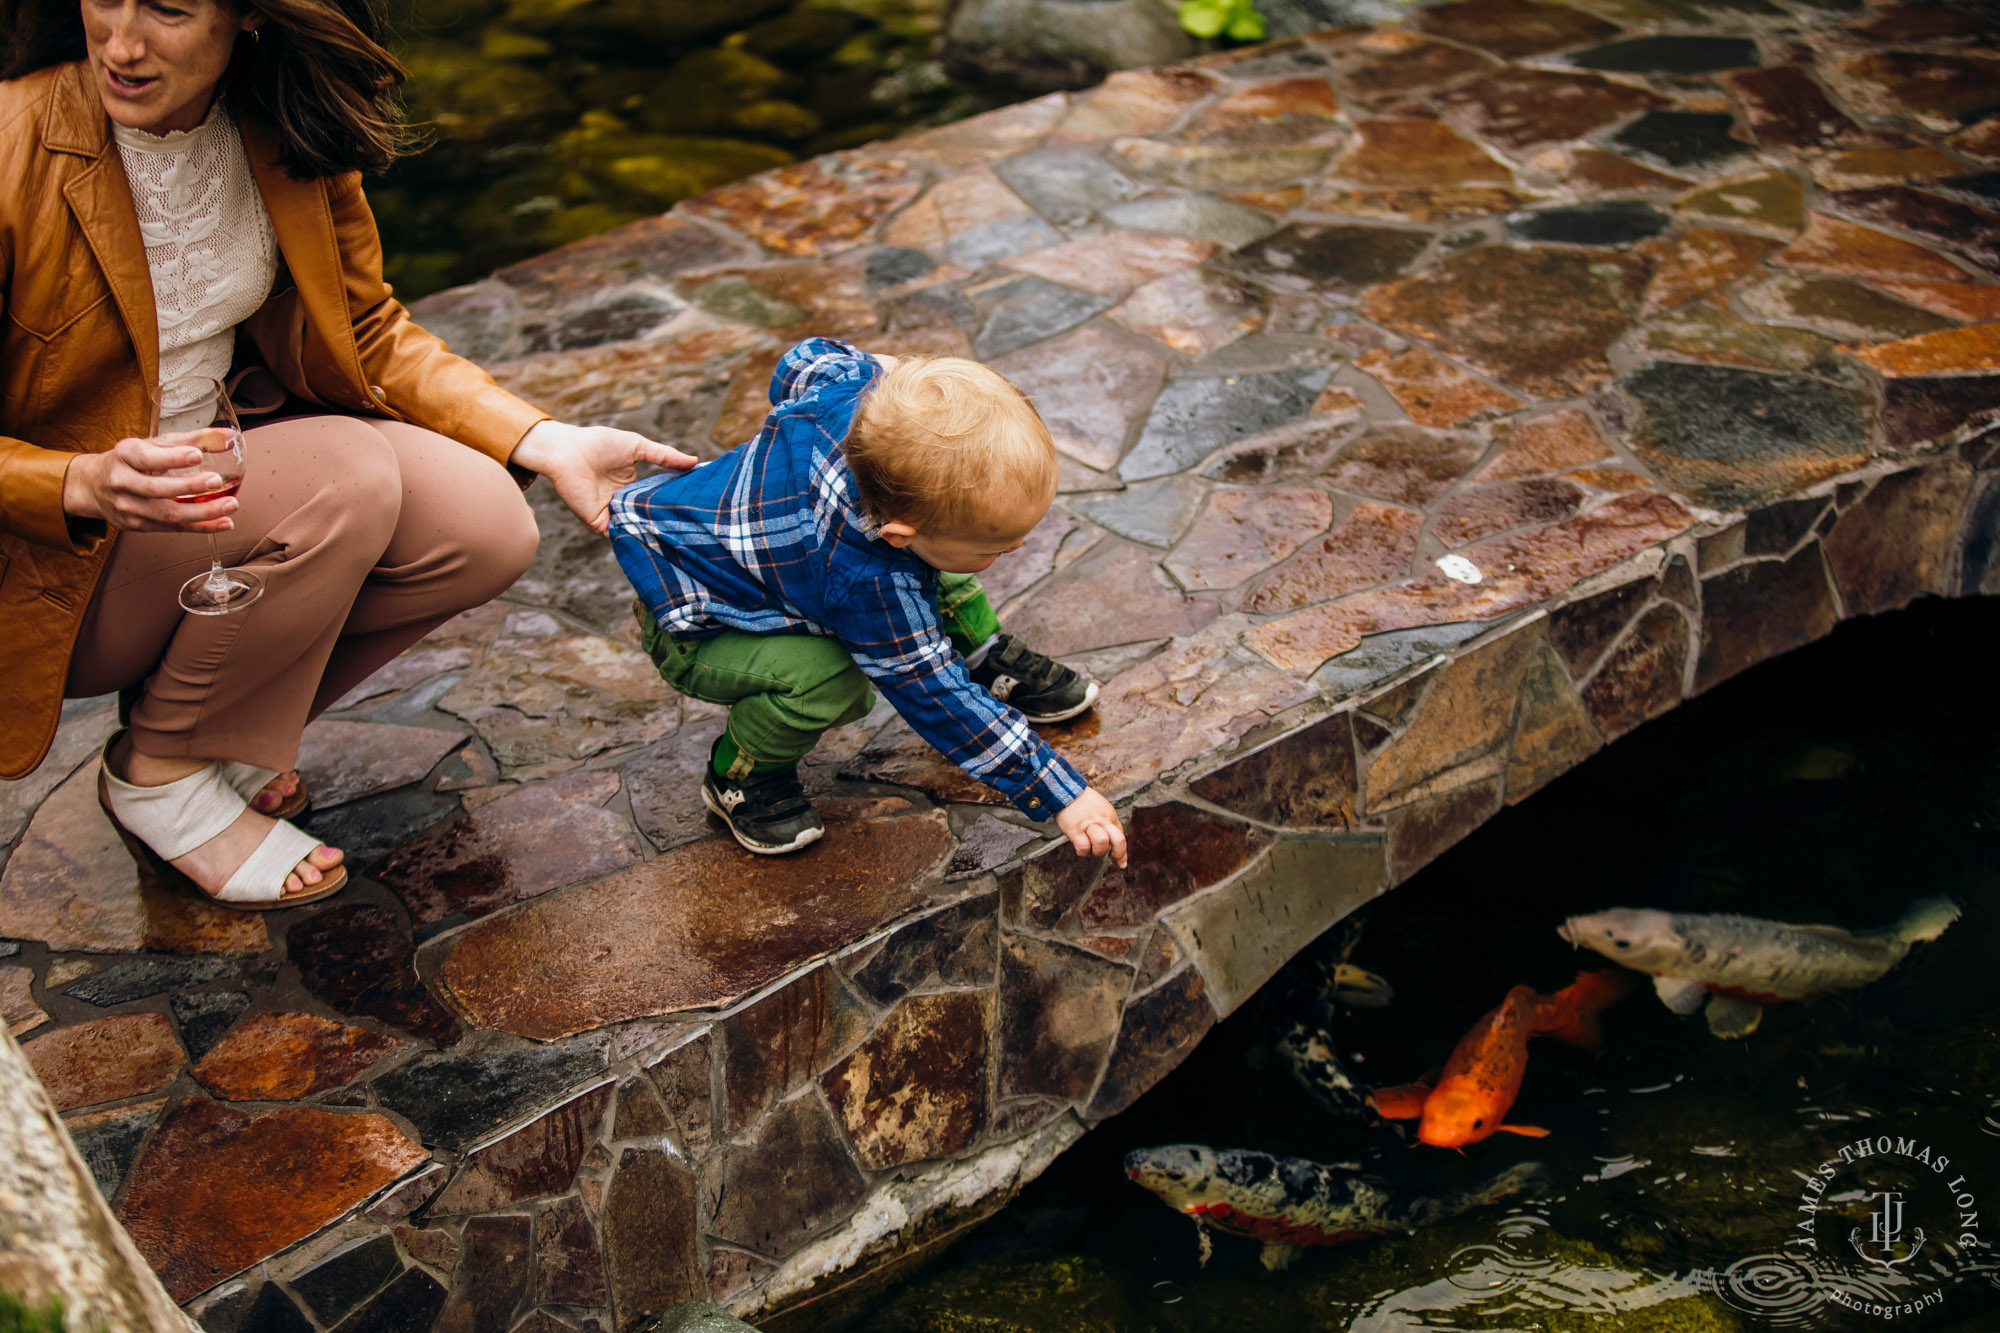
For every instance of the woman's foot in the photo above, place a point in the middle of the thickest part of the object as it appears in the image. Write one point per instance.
(272, 796)
(211, 864)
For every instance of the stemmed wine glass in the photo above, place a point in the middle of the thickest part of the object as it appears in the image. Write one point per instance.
(198, 403)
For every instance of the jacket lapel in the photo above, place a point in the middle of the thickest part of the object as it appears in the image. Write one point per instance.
(101, 199)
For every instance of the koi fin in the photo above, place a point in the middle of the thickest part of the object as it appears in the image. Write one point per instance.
(1403, 1102)
(1359, 987)
(1278, 1256)
(1731, 1016)
(1525, 1131)
(1679, 994)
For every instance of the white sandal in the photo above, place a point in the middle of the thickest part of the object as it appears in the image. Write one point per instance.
(176, 817)
(248, 781)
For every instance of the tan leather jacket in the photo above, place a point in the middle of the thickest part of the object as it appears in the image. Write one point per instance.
(79, 349)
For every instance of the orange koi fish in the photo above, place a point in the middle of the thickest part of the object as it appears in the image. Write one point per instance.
(1470, 1099)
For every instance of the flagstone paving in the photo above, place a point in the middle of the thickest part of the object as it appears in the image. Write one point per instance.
(1436, 404)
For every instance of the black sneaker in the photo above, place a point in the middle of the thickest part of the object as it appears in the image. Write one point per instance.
(1042, 688)
(768, 812)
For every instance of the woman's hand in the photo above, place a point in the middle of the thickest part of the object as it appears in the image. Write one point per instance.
(127, 489)
(587, 463)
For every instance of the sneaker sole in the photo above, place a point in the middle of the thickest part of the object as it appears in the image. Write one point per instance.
(1089, 698)
(804, 839)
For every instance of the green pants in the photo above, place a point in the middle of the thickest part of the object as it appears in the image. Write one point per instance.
(786, 690)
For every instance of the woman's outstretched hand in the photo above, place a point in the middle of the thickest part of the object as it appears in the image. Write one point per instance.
(587, 463)
(126, 486)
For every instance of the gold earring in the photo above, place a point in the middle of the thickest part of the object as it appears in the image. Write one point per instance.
(256, 34)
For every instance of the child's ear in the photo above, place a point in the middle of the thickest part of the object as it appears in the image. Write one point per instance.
(897, 533)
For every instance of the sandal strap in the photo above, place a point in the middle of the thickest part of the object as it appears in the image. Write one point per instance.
(246, 779)
(175, 817)
(261, 878)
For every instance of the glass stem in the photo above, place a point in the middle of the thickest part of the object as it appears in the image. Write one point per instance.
(218, 582)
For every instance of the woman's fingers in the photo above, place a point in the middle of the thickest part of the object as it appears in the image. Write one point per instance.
(665, 455)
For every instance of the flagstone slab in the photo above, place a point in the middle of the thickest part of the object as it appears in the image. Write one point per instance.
(1244, 532)
(1698, 261)
(1674, 54)
(666, 936)
(1756, 611)
(546, 705)
(1028, 309)
(1734, 438)
(1786, 109)
(1386, 68)
(1682, 139)
(1194, 312)
(540, 1158)
(818, 207)
(18, 1009)
(1113, 594)
(523, 844)
(779, 1043)
(1594, 172)
(1058, 1017)
(1277, 112)
(1410, 152)
(1432, 390)
(109, 1140)
(917, 1087)
(1131, 101)
(1155, 1033)
(1195, 416)
(1519, 110)
(343, 760)
(1457, 739)
(1973, 234)
(1113, 263)
(1293, 451)
(137, 978)
(1406, 465)
(1067, 185)
(78, 739)
(286, 1057)
(106, 1059)
(1315, 257)
(1841, 309)
(1897, 542)
(1512, 28)
(1195, 216)
(1538, 319)
(1176, 850)
(1642, 677)
(358, 958)
(217, 1190)
(74, 885)
(1473, 515)
(1613, 223)
(1718, 336)
(1939, 91)
(1831, 245)
(1517, 572)
(205, 1016)
(1562, 439)
(1373, 544)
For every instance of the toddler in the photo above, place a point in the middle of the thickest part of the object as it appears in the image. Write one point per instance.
(838, 548)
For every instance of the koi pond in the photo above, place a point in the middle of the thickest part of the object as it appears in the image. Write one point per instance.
(553, 120)
(1838, 785)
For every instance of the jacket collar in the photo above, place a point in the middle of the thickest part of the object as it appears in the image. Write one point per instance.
(101, 199)
(75, 122)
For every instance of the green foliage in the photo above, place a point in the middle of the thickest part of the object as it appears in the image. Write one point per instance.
(1237, 20)
(16, 1317)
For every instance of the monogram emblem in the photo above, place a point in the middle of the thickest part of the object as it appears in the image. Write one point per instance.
(1885, 1233)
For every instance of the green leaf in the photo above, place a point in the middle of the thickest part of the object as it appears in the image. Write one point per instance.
(1245, 23)
(1204, 18)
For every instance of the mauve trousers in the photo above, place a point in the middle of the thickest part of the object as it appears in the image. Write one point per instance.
(368, 535)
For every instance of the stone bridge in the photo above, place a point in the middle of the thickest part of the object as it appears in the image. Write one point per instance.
(1437, 403)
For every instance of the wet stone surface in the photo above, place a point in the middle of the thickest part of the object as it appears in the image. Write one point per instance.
(1610, 300)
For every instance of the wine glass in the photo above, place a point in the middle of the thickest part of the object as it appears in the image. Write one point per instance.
(196, 402)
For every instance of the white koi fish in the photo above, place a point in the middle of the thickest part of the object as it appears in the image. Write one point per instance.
(1741, 963)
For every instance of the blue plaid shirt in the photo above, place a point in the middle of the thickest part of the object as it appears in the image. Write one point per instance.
(770, 539)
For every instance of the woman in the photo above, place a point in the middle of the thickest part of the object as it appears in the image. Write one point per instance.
(180, 194)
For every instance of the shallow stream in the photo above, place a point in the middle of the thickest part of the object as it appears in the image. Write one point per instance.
(1837, 785)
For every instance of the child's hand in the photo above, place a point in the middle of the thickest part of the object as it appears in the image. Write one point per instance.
(1092, 827)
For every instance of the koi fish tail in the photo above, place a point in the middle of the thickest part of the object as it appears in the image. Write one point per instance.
(1924, 921)
(1570, 1015)
(1405, 1101)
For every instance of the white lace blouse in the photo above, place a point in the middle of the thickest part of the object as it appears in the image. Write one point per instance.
(209, 243)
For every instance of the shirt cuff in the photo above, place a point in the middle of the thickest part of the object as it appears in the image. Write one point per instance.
(1052, 790)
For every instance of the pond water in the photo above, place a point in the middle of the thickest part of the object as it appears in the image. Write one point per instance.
(1837, 784)
(552, 120)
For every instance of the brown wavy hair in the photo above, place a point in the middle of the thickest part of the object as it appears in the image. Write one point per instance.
(318, 76)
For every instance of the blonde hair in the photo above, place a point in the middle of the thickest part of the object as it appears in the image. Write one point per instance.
(941, 440)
